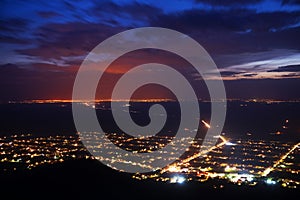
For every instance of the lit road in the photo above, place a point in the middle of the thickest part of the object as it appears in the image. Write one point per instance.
(175, 165)
(270, 169)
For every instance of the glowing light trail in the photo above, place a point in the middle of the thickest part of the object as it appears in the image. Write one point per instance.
(205, 123)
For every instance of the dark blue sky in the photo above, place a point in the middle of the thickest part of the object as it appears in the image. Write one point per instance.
(254, 43)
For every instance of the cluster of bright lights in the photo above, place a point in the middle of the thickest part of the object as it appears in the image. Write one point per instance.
(270, 169)
(177, 179)
(241, 177)
(230, 144)
(269, 181)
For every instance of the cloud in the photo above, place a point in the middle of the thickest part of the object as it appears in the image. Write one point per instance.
(13, 31)
(48, 14)
(227, 60)
(293, 2)
(249, 40)
(228, 2)
(126, 15)
(74, 40)
(13, 40)
(219, 31)
(290, 75)
(228, 73)
(249, 75)
(289, 68)
(267, 65)
(14, 25)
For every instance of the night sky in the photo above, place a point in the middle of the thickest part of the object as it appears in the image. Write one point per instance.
(255, 43)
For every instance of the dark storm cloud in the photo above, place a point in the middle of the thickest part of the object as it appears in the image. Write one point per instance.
(293, 2)
(249, 75)
(221, 31)
(56, 40)
(123, 14)
(241, 20)
(198, 20)
(13, 31)
(48, 14)
(48, 40)
(14, 25)
(229, 2)
(71, 39)
(12, 40)
(290, 68)
(229, 73)
(290, 75)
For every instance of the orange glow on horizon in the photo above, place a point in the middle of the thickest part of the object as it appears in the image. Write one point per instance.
(96, 100)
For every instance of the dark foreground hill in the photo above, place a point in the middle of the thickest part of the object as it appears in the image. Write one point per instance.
(89, 179)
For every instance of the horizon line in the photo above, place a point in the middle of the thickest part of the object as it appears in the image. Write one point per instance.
(143, 100)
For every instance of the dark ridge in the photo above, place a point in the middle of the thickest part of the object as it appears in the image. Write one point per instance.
(85, 179)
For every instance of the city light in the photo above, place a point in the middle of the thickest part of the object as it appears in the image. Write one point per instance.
(229, 144)
(268, 170)
(221, 162)
(270, 181)
(177, 179)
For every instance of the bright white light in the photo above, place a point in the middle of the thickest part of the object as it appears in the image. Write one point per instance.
(180, 179)
(249, 178)
(229, 144)
(177, 179)
(270, 182)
